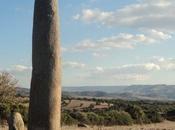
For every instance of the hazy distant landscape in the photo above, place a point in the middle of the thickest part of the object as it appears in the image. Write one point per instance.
(133, 92)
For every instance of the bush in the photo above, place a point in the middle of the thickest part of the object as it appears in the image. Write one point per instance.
(154, 117)
(23, 110)
(80, 117)
(117, 118)
(137, 114)
(66, 119)
(93, 118)
(4, 111)
(124, 118)
(171, 115)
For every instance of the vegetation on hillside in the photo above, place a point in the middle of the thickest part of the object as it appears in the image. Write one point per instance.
(121, 112)
(91, 111)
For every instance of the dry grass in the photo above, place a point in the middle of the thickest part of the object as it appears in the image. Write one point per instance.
(167, 125)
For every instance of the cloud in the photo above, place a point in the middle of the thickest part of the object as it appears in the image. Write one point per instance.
(21, 68)
(122, 40)
(89, 15)
(129, 69)
(134, 71)
(21, 72)
(158, 14)
(16, 69)
(99, 69)
(74, 65)
(128, 72)
(164, 63)
(97, 54)
(135, 77)
(76, 17)
(63, 49)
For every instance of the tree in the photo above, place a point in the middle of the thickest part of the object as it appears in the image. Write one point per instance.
(117, 118)
(80, 117)
(154, 117)
(7, 88)
(136, 113)
(66, 119)
(93, 118)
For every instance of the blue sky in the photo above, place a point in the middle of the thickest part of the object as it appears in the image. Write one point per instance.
(104, 42)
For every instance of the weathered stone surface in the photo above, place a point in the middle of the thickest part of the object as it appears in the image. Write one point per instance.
(15, 121)
(45, 93)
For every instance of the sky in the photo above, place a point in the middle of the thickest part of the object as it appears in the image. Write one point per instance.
(103, 42)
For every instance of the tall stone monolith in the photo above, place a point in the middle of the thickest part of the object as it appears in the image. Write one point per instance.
(45, 93)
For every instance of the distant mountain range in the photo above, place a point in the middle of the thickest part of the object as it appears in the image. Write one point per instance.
(132, 92)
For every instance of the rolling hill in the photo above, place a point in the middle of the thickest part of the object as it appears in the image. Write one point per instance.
(132, 92)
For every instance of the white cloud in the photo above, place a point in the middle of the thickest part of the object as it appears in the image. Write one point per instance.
(164, 63)
(135, 77)
(63, 49)
(158, 34)
(158, 14)
(99, 69)
(21, 68)
(122, 40)
(73, 64)
(21, 73)
(89, 15)
(133, 72)
(76, 17)
(97, 54)
(151, 66)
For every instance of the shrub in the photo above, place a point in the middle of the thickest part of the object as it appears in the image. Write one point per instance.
(136, 113)
(4, 111)
(80, 117)
(124, 118)
(171, 115)
(117, 118)
(23, 110)
(66, 119)
(93, 118)
(154, 117)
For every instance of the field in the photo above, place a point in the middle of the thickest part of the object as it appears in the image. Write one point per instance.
(166, 125)
(81, 104)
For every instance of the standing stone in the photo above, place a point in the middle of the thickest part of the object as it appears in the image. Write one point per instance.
(15, 121)
(45, 93)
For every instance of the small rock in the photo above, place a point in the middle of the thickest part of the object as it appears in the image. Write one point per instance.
(82, 125)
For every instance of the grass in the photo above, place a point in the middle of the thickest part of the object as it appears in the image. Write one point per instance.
(166, 125)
